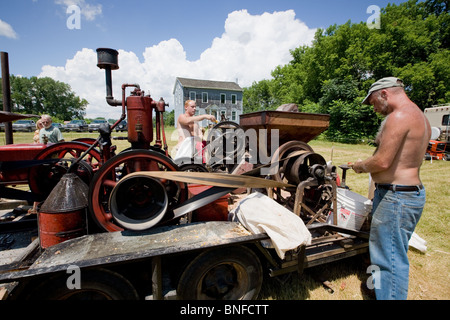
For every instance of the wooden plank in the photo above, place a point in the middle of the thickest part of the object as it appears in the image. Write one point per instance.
(157, 278)
(3, 293)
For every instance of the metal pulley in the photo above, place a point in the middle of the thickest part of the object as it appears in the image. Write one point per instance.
(309, 164)
(138, 202)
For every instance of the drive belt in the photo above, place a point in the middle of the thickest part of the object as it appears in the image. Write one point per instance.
(213, 179)
(222, 184)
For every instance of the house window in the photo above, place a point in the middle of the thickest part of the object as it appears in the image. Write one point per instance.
(223, 98)
(233, 99)
(205, 97)
(233, 115)
(192, 95)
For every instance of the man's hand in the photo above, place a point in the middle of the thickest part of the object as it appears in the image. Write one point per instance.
(358, 166)
(211, 118)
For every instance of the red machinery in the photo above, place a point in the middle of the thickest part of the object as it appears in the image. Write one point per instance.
(119, 199)
(42, 166)
(136, 203)
(438, 150)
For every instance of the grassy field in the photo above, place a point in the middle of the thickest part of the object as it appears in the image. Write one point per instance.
(429, 272)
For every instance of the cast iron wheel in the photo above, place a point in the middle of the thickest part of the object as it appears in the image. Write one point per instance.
(43, 178)
(95, 284)
(118, 168)
(282, 152)
(287, 197)
(192, 167)
(218, 152)
(232, 273)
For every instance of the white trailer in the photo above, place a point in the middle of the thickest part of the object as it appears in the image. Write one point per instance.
(439, 117)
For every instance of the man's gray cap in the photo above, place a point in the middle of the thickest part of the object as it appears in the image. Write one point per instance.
(384, 83)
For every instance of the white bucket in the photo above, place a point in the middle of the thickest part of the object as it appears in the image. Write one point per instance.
(352, 209)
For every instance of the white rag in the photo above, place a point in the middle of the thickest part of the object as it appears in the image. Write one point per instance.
(186, 149)
(259, 214)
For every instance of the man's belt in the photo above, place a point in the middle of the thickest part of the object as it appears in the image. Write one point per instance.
(397, 187)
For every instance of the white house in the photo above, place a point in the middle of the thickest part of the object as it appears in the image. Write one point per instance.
(220, 98)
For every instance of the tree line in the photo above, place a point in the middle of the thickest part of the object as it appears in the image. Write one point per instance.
(45, 96)
(333, 75)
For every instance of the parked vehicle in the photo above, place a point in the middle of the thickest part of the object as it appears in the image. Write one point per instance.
(439, 146)
(94, 125)
(439, 118)
(123, 126)
(60, 126)
(76, 125)
(24, 125)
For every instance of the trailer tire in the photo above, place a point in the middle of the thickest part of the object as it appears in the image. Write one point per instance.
(96, 284)
(232, 273)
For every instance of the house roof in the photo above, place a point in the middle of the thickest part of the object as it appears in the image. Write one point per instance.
(209, 84)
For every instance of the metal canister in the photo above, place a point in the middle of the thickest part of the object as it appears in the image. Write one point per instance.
(140, 125)
(63, 214)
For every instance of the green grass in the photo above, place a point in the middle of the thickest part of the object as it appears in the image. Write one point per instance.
(429, 276)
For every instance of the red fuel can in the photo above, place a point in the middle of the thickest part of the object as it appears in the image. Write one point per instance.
(63, 214)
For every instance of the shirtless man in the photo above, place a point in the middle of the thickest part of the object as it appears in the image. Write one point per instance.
(399, 196)
(188, 129)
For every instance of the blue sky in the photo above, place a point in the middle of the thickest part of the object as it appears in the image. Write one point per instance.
(164, 39)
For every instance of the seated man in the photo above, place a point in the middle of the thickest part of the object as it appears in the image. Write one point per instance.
(190, 136)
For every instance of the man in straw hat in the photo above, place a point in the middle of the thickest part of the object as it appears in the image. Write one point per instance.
(399, 196)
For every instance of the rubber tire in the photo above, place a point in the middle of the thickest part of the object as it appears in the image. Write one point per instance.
(245, 264)
(96, 284)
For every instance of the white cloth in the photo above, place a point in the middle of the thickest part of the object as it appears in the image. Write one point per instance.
(418, 243)
(259, 214)
(186, 149)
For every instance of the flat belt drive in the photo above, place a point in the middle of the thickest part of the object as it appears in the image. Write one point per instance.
(222, 183)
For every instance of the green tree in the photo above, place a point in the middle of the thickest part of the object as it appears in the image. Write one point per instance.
(169, 118)
(334, 73)
(45, 95)
(259, 97)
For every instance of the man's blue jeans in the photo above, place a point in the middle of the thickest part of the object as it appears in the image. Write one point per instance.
(394, 218)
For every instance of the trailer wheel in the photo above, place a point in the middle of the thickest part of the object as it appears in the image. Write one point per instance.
(232, 273)
(96, 284)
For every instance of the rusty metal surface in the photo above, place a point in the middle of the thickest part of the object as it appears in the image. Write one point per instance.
(291, 125)
(114, 247)
(70, 194)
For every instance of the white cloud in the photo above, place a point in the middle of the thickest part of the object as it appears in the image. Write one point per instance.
(89, 11)
(249, 49)
(6, 30)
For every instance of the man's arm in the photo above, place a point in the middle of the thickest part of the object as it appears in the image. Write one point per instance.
(392, 138)
(185, 121)
(59, 135)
